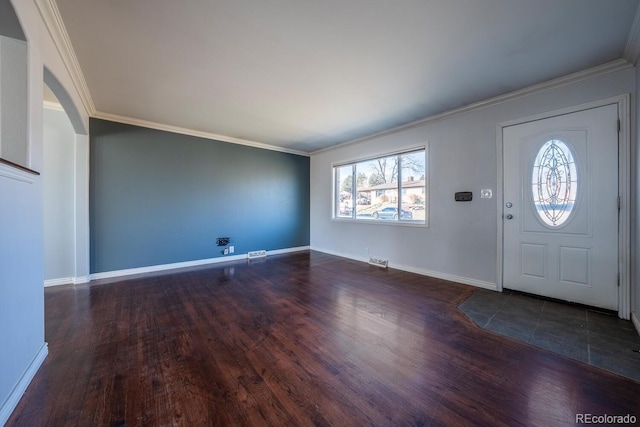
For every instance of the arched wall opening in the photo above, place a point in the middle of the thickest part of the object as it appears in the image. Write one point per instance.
(58, 189)
(66, 188)
(21, 298)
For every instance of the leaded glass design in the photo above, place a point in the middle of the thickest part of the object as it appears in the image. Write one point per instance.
(554, 182)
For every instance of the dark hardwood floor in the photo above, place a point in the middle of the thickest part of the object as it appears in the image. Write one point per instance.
(298, 339)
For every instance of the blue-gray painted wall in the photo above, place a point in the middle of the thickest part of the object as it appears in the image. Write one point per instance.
(159, 198)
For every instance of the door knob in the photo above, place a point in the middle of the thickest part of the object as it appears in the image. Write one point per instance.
(509, 216)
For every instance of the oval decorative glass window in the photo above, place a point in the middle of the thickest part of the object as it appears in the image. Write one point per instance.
(554, 183)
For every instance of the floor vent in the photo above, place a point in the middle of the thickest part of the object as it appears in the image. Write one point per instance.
(257, 254)
(384, 263)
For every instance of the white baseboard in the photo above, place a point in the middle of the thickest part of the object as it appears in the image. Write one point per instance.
(16, 394)
(81, 280)
(58, 282)
(341, 255)
(636, 322)
(66, 281)
(286, 251)
(196, 263)
(449, 277)
(421, 271)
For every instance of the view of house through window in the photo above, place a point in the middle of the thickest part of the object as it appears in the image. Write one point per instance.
(389, 188)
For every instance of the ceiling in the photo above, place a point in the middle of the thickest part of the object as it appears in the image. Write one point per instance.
(304, 75)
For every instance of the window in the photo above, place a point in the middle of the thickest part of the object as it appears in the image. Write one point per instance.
(389, 189)
(554, 183)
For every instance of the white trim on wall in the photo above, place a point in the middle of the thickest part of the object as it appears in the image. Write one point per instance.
(624, 155)
(176, 265)
(16, 394)
(55, 25)
(632, 48)
(50, 105)
(59, 282)
(444, 276)
(53, 21)
(191, 132)
(624, 191)
(66, 281)
(420, 271)
(16, 174)
(636, 322)
(580, 76)
(81, 234)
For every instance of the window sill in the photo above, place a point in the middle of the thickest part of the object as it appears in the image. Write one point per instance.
(382, 222)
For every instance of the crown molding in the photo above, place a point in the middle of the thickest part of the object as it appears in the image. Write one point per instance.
(53, 21)
(632, 48)
(191, 132)
(50, 105)
(590, 73)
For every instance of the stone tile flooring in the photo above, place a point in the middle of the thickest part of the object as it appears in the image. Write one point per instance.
(598, 338)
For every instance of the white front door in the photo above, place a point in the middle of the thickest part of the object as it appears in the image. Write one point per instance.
(561, 207)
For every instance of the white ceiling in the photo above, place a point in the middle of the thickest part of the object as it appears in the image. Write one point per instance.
(304, 75)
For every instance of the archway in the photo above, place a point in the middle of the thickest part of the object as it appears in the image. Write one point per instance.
(78, 205)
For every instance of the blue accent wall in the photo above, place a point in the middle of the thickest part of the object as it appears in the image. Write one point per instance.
(159, 198)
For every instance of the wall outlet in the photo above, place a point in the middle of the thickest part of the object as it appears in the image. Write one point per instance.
(226, 251)
(232, 249)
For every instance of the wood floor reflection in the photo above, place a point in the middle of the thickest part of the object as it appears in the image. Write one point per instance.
(298, 339)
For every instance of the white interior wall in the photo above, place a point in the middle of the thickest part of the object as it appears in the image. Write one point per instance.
(21, 223)
(58, 187)
(13, 81)
(21, 297)
(461, 241)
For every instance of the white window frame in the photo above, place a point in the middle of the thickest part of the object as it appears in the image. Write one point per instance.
(335, 204)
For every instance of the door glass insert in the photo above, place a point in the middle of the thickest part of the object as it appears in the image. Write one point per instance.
(554, 181)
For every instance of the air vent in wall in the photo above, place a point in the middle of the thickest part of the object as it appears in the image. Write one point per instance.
(384, 263)
(257, 254)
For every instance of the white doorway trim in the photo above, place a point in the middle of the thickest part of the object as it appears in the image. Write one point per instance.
(624, 189)
(81, 179)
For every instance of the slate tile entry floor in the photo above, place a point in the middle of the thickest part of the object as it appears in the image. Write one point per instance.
(582, 333)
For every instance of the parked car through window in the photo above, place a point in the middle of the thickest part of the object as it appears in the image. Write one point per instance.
(390, 188)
